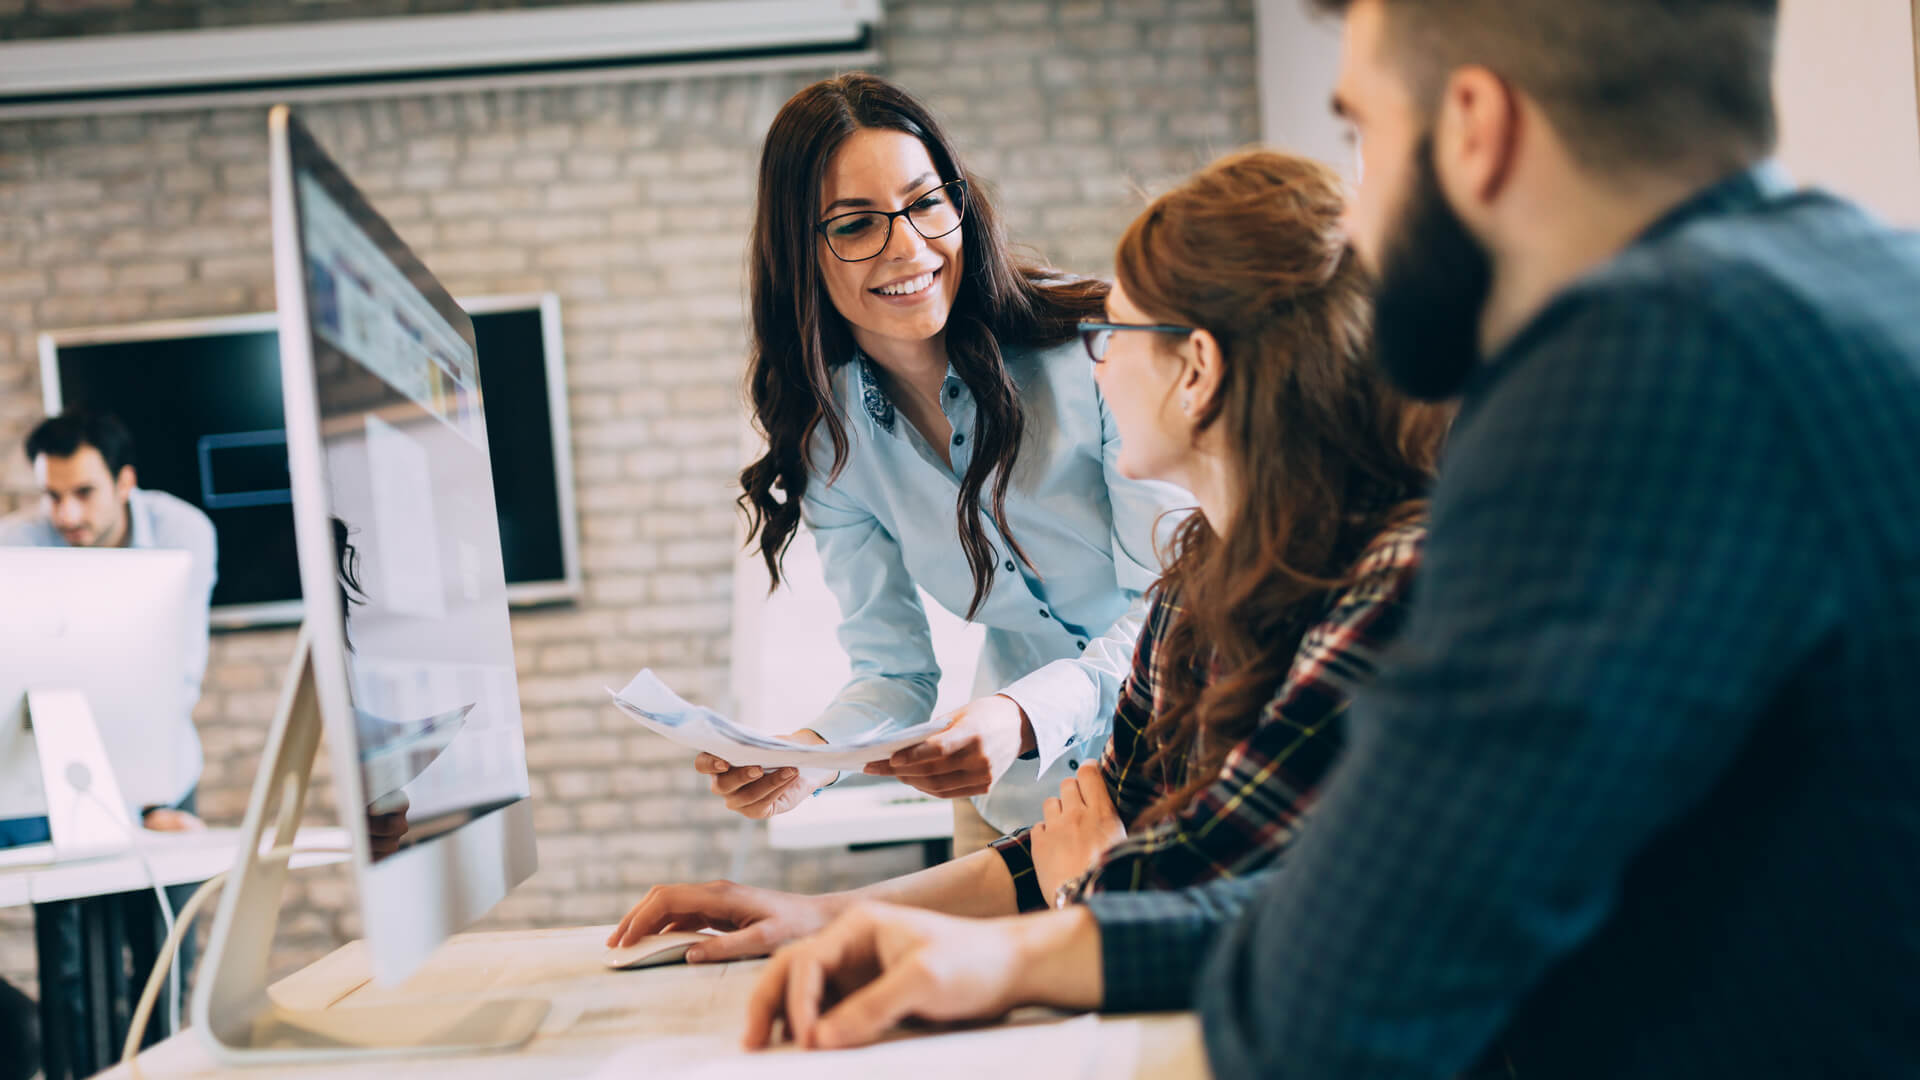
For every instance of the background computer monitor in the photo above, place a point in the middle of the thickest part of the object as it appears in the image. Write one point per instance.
(113, 625)
(202, 399)
(400, 561)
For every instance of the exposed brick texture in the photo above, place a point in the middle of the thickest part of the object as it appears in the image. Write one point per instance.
(632, 201)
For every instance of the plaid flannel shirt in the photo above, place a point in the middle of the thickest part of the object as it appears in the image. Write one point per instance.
(1637, 794)
(1245, 820)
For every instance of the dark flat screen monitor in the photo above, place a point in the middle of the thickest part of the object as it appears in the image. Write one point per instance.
(202, 400)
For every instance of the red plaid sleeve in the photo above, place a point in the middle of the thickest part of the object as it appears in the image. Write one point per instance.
(1124, 762)
(1250, 815)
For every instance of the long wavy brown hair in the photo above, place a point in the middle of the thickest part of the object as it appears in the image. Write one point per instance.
(798, 337)
(1325, 454)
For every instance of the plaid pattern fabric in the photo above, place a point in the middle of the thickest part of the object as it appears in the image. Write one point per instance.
(1248, 817)
(1638, 792)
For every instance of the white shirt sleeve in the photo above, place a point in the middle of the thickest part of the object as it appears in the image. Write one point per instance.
(1070, 702)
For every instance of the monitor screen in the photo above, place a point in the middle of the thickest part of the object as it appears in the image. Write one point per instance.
(202, 400)
(416, 542)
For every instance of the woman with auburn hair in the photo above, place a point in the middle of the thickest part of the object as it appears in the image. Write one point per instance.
(930, 418)
(1234, 356)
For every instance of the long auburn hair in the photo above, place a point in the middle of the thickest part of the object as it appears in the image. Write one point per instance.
(1325, 453)
(798, 337)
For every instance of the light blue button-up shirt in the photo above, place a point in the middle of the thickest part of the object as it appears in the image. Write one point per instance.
(1060, 635)
(155, 519)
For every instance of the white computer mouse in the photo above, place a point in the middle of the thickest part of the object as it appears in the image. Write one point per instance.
(654, 950)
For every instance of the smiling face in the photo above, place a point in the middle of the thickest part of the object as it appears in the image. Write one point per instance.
(904, 294)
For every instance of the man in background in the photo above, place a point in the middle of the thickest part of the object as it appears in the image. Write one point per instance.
(89, 497)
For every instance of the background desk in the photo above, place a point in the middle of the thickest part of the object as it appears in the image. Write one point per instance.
(120, 930)
(681, 1021)
(867, 811)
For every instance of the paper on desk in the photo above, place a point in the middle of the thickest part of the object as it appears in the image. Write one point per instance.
(663, 712)
(1055, 1049)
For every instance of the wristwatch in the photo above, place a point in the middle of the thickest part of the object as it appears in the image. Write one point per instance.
(1065, 893)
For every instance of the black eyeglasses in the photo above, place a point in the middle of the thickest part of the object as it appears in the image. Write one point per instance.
(1096, 335)
(864, 234)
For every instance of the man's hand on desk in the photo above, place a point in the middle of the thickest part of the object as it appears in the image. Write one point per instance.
(963, 759)
(757, 920)
(751, 791)
(167, 819)
(878, 964)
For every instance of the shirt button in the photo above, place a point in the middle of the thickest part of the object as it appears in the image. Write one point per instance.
(1072, 764)
(953, 391)
(1045, 614)
(1010, 567)
(959, 439)
(1082, 644)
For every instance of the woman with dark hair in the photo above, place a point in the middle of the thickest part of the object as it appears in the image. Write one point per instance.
(1234, 355)
(930, 419)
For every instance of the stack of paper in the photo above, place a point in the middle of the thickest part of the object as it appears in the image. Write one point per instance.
(663, 712)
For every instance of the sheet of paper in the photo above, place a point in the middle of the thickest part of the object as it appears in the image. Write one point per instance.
(393, 754)
(660, 710)
(1053, 1049)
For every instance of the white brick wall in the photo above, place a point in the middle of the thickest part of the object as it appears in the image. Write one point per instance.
(633, 203)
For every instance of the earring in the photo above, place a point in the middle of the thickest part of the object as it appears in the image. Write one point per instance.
(1186, 404)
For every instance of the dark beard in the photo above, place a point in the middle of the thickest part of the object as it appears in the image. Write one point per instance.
(1434, 282)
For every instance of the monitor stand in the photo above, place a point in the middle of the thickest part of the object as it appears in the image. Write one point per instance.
(86, 816)
(237, 1019)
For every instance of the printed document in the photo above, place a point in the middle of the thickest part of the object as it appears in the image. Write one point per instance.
(663, 712)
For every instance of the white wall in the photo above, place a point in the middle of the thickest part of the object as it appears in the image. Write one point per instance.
(1299, 58)
(1845, 84)
(787, 662)
(1848, 116)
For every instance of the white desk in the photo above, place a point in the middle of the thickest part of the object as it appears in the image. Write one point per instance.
(174, 859)
(680, 1021)
(851, 813)
(113, 930)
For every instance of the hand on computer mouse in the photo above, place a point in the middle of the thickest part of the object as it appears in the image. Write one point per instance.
(167, 819)
(755, 921)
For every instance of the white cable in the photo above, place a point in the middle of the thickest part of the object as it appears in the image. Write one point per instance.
(144, 1010)
(159, 893)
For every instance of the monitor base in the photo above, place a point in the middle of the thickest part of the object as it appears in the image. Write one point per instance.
(291, 1036)
(236, 1019)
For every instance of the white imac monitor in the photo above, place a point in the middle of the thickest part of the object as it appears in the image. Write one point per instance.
(97, 639)
(401, 572)
(404, 656)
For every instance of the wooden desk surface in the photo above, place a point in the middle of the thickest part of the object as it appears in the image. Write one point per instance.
(682, 1021)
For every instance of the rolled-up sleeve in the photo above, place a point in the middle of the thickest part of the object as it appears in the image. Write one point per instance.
(1070, 702)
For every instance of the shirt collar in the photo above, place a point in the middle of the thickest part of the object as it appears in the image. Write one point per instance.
(139, 529)
(873, 396)
(1744, 190)
(873, 393)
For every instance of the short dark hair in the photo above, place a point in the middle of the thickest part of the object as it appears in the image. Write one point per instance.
(1630, 85)
(64, 435)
